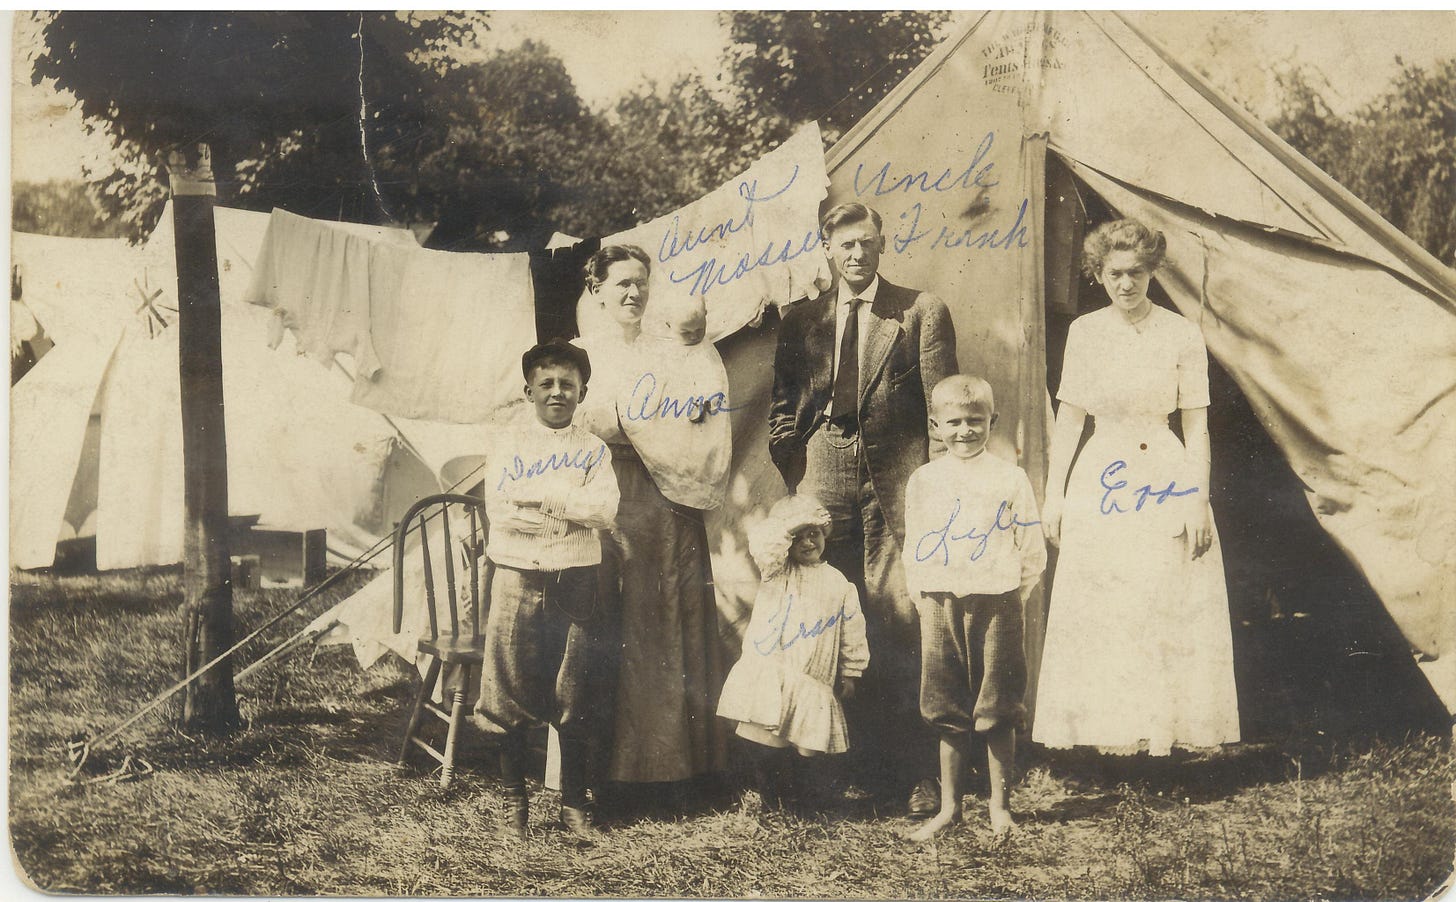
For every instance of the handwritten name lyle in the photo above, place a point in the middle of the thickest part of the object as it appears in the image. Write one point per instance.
(1142, 494)
(584, 460)
(780, 635)
(941, 539)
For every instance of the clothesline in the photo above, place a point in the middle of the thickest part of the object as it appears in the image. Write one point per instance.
(436, 335)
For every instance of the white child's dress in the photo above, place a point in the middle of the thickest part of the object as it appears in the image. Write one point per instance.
(1138, 652)
(805, 632)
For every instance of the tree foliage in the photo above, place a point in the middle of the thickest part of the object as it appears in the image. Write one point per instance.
(1397, 153)
(288, 102)
(782, 69)
(60, 208)
(830, 65)
(388, 117)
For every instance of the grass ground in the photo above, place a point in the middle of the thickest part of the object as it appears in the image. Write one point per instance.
(305, 800)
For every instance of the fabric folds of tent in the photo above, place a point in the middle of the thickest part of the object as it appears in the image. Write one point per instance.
(1338, 329)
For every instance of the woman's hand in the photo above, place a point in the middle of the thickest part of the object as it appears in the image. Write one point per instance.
(1051, 520)
(1200, 528)
(847, 686)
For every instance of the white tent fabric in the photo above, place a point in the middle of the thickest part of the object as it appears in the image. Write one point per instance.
(1291, 279)
(751, 243)
(300, 455)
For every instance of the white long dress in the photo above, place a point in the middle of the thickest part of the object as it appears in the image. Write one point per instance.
(1138, 652)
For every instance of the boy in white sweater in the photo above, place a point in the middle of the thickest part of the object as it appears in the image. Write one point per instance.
(549, 490)
(973, 553)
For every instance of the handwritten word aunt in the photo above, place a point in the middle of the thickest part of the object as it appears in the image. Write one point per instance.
(711, 272)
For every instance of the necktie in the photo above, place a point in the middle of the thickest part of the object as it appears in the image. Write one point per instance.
(846, 379)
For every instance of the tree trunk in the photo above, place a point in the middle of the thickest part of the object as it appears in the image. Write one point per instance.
(210, 704)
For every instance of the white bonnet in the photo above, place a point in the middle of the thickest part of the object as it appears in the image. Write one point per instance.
(769, 541)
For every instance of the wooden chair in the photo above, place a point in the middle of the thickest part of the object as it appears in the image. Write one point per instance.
(458, 641)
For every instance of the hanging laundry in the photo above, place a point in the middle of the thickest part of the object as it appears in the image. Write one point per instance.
(448, 330)
(752, 242)
(559, 276)
(315, 276)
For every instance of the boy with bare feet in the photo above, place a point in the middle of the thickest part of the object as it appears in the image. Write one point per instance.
(973, 553)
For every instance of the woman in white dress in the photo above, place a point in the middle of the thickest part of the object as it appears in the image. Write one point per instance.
(1138, 653)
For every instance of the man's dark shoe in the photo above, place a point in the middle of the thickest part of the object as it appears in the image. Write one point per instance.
(578, 821)
(925, 799)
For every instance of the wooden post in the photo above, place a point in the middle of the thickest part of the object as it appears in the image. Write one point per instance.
(210, 704)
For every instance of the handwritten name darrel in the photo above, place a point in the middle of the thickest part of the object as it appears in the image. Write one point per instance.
(584, 459)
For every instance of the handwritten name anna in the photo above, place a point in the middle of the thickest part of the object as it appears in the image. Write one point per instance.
(781, 635)
(646, 404)
(585, 460)
(1141, 495)
(937, 542)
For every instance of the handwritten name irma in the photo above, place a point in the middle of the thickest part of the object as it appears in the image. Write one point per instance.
(1142, 494)
(710, 272)
(937, 542)
(781, 635)
(584, 460)
(642, 406)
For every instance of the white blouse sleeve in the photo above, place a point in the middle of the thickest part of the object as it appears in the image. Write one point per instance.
(1078, 370)
(1192, 369)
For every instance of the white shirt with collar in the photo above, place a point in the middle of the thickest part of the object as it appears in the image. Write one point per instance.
(841, 318)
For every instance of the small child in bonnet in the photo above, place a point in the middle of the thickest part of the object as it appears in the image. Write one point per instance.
(804, 649)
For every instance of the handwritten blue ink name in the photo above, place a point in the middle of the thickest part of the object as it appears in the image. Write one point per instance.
(910, 233)
(942, 538)
(641, 406)
(584, 460)
(1110, 505)
(711, 273)
(780, 636)
(976, 175)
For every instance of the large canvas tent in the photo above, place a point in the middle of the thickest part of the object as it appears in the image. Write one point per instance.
(95, 425)
(1331, 334)
(1339, 331)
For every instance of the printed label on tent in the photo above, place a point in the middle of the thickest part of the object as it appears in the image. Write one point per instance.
(1003, 57)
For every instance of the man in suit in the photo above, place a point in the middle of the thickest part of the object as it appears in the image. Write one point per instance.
(848, 424)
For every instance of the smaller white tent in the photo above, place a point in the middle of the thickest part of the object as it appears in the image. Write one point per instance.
(96, 425)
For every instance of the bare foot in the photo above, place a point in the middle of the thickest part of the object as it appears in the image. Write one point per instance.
(1001, 821)
(935, 826)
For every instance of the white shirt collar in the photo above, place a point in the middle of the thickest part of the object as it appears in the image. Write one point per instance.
(868, 295)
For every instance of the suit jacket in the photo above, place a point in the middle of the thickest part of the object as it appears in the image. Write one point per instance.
(910, 346)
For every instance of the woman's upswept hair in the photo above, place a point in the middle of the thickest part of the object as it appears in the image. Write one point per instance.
(1122, 235)
(596, 268)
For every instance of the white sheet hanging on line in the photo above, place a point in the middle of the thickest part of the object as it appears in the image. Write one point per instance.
(752, 242)
(315, 276)
(448, 330)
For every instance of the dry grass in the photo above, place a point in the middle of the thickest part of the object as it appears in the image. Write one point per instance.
(305, 801)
